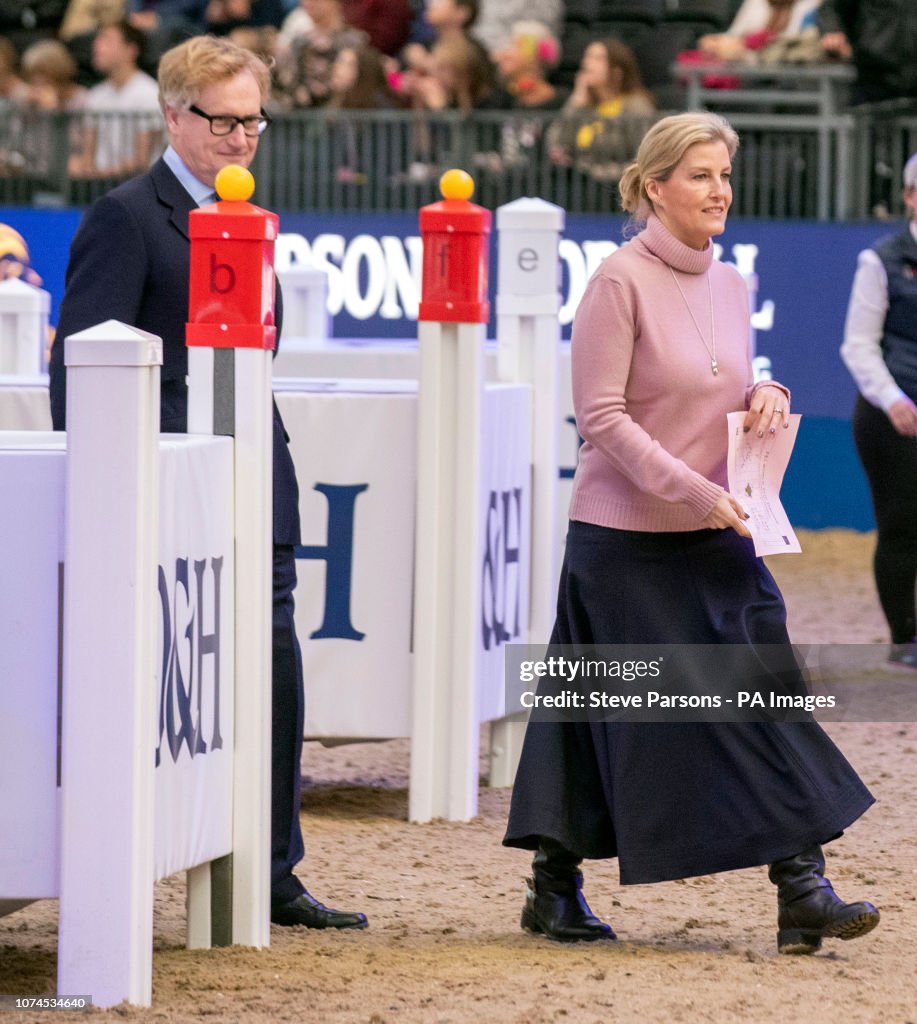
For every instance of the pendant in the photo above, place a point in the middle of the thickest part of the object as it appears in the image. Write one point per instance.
(714, 366)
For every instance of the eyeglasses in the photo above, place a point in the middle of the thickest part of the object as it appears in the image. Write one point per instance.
(225, 124)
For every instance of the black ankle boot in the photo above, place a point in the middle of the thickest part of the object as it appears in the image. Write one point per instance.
(808, 909)
(554, 903)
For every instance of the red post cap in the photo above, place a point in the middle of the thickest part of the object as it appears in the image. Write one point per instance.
(455, 236)
(231, 298)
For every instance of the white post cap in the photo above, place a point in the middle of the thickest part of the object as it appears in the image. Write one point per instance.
(530, 214)
(528, 263)
(113, 343)
(18, 296)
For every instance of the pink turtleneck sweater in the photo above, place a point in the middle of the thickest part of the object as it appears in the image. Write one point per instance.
(651, 412)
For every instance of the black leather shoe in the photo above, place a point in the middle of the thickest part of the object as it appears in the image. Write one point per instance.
(305, 910)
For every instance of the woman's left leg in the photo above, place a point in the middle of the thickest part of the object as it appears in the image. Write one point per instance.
(808, 908)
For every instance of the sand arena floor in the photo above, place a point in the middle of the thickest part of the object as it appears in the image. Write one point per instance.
(444, 943)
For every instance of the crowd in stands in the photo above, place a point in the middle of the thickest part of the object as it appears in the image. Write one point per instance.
(588, 61)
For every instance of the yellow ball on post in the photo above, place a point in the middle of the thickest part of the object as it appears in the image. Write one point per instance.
(456, 184)
(235, 183)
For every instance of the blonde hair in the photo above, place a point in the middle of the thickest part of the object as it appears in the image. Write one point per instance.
(191, 66)
(661, 151)
(50, 58)
(538, 40)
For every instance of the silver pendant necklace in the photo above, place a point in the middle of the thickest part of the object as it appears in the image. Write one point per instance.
(711, 348)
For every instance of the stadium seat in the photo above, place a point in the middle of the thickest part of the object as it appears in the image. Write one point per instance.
(647, 11)
(574, 40)
(582, 11)
(657, 53)
(716, 15)
(633, 33)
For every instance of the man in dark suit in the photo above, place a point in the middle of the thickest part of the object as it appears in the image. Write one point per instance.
(129, 261)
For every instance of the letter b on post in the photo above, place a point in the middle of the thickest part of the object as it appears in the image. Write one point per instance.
(222, 276)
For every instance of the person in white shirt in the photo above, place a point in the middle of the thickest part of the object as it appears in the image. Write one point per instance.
(123, 121)
(880, 351)
(776, 19)
(494, 24)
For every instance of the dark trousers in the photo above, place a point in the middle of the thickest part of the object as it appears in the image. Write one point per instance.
(286, 745)
(287, 696)
(890, 462)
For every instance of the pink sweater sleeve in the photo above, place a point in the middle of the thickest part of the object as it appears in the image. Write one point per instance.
(602, 350)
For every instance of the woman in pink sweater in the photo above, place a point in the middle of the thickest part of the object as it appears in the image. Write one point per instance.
(658, 553)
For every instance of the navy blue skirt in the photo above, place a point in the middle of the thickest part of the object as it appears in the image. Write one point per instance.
(673, 800)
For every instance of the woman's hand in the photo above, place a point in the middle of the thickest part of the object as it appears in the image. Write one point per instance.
(903, 415)
(416, 58)
(579, 97)
(726, 514)
(769, 410)
(431, 92)
(836, 44)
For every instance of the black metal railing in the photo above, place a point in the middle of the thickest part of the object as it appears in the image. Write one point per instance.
(885, 136)
(789, 165)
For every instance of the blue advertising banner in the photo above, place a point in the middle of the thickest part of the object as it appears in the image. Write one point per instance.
(47, 233)
(804, 274)
(804, 271)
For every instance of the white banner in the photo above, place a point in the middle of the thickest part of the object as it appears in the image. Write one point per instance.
(506, 474)
(192, 678)
(32, 480)
(355, 455)
(194, 731)
(354, 444)
(24, 403)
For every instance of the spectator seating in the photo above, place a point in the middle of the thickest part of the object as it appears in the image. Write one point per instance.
(656, 30)
(633, 33)
(712, 15)
(648, 11)
(813, 158)
(631, 21)
(575, 37)
(656, 56)
(582, 11)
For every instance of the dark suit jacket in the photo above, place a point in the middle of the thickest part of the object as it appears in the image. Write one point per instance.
(129, 261)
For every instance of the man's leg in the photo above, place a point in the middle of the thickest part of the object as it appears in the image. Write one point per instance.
(286, 738)
(291, 904)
